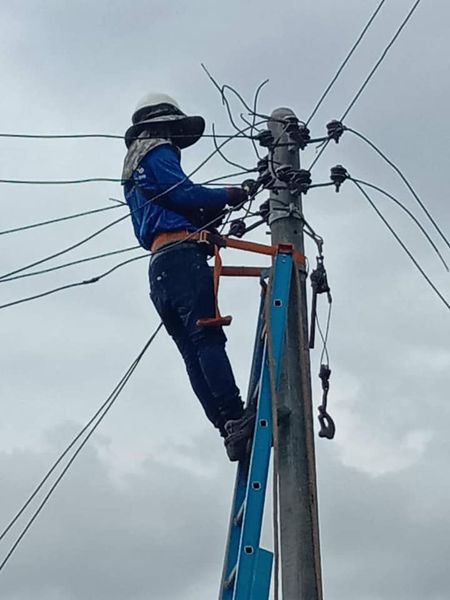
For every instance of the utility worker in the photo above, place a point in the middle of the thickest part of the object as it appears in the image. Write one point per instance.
(166, 207)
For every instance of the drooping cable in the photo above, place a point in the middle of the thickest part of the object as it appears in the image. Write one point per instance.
(88, 429)
(224, 98)
(59, 219)
(98, 278)
(116, 221)
(402, 244)
(225, 158)
(345, 61)
(409, 213)
(405, 181)
(72, 263)
(69, 286)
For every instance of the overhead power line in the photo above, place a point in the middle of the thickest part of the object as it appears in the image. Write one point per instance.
(72, 263)
(97, 278)
(345, 61)
(71, 136)
(69, 286)
(244, 171)
(116, 221)
(380, 60)
(118, 205)
(405, 181)
(369, 76)
(88, 429)
(402, 244)
(60, 219)
(409, 213)
(61, 182)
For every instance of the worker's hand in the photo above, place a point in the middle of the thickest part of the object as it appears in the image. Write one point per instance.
(236, 196)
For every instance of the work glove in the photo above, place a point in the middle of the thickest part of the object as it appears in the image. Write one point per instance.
(236, 196)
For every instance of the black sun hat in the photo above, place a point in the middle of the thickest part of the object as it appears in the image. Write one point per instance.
(157, 113)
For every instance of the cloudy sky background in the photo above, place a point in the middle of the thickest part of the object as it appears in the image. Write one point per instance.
(143, 512)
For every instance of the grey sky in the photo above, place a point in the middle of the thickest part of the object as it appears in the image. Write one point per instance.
(143, 513)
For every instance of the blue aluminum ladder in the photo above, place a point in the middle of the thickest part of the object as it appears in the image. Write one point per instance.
(247, 567)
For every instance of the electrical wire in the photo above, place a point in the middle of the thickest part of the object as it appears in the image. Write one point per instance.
(62, 182)
(224, 98)
(69, 286)
(380, 60)
(116, 221)
(221, 90)
(405, 181)
(255, 109)
(405, 248)
(71, 136)
(72, 263)
(60, 219)
(408, 212)
(98, 278)
(120, 203)
(225, 158)
(94, 422)
(369, 77)
(345, 61)
(111, 179)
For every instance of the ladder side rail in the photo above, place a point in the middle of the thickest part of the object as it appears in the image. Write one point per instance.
(262, 441)
(240, 487)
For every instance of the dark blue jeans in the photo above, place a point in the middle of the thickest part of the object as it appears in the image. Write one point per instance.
(181, 288)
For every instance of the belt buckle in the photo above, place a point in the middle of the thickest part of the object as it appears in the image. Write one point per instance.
(203, 236)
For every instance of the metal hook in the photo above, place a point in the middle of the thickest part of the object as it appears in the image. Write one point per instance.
(327, 426)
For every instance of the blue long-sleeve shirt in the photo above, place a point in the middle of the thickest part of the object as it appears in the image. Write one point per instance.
(158, 171)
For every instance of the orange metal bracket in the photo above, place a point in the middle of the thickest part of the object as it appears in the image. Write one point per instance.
(224, 242)
(218, 320)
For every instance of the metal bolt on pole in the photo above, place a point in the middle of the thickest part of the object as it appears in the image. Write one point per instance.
(299, 522)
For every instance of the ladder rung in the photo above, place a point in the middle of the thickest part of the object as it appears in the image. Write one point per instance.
(229, 581)
(239, 515)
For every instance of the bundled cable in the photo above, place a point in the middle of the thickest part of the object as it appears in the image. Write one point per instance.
(81, 439)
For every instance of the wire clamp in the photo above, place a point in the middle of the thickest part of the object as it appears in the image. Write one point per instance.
(335, 129)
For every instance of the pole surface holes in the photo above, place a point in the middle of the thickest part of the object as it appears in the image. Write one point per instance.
(263, 423)
(277, 303)
(248, 549)
(256, 485)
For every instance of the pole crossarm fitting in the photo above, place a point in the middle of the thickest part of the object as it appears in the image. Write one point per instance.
(335, 129)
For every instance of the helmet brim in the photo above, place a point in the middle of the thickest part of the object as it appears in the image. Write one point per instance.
(182, 130)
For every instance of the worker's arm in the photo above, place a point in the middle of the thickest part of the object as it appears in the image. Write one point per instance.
(162, 166)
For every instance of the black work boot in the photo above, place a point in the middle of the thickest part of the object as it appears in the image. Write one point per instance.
(239, 435)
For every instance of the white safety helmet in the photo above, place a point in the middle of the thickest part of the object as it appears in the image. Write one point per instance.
(161, 115)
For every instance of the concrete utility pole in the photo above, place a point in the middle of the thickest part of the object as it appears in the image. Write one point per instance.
(299, 523)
